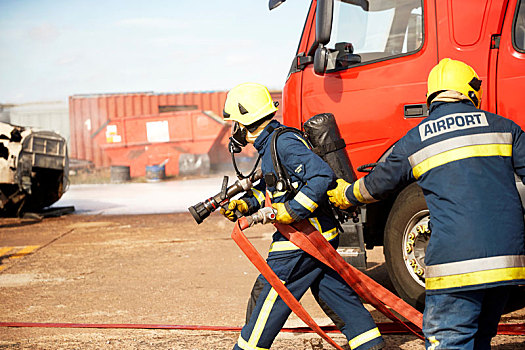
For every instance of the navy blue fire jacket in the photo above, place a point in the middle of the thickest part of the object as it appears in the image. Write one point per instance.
(464, 159)
(309, 174)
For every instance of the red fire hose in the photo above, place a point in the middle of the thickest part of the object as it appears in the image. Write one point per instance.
(384, 328)
(306, 237)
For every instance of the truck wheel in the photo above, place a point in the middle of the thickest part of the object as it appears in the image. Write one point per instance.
(405, 243)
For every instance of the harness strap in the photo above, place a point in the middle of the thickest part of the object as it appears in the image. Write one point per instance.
(282, 173)
(253, 255)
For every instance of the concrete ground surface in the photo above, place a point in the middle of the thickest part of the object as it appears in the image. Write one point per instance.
(146, 269)
(141, 198)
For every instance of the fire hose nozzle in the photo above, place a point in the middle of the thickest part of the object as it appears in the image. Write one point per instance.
(202, 210)
(262, 216)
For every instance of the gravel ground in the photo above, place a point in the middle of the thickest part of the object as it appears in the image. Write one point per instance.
(146, 269)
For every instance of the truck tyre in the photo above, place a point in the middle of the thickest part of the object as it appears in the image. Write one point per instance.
(405, 242)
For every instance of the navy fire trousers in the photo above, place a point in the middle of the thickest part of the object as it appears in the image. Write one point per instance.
(299, 271)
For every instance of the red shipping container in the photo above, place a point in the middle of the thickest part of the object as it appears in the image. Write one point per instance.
(90, 116)
(159, 138)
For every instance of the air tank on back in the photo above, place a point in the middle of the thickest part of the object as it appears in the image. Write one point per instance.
(324, 135)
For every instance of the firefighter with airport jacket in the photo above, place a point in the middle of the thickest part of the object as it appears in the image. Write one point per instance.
(464, 159)
(251, 109)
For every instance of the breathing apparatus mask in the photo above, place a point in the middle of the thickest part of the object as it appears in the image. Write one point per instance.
(239, 139)
(237, 142)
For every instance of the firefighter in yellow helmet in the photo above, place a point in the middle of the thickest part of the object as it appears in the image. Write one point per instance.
(296, 196)
(451, 81)
(250, 107)
(464, 159)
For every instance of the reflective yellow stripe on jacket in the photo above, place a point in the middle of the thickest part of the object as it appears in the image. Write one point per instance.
(361, 192)
(305, 201)
(259, 195)
(461, 147)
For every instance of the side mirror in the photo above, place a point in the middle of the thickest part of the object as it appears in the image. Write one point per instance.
(324, 12)
(320, 60)
(323, 21)
(323, 28)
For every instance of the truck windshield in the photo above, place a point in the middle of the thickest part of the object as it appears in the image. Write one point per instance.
(387, 28)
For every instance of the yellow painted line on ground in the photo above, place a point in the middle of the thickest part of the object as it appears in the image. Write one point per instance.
(24, 251)
(4, 250)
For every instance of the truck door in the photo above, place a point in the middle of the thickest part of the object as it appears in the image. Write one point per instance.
(511, 64)
(510, 76)
(380, 54)
(466, 31)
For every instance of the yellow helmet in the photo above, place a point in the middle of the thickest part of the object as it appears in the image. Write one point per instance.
(247, 103)
(454, 75)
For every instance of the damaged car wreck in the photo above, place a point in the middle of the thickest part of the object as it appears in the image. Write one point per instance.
(33, 169)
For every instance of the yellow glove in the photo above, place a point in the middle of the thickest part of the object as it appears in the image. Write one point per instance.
(282, 217)
(338, 197)
(238, 204)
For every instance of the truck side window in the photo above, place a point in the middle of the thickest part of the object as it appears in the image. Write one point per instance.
(375, 30)
(519, 28)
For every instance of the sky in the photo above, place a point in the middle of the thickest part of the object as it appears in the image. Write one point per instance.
(52, 49)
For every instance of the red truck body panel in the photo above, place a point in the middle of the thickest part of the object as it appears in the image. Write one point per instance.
(368, 100)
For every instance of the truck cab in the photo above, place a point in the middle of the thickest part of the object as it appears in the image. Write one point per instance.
(367, 63)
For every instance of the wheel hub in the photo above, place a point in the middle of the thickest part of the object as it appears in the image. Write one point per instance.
(415, 242)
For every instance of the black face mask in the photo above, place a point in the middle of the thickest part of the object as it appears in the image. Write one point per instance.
(237, 142)
(238, 135)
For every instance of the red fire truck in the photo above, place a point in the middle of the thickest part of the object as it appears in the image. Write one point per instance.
(367, 61)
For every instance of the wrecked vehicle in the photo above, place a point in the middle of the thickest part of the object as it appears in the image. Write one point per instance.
(33, 169)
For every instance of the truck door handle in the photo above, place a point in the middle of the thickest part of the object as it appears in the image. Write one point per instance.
(416, 111)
